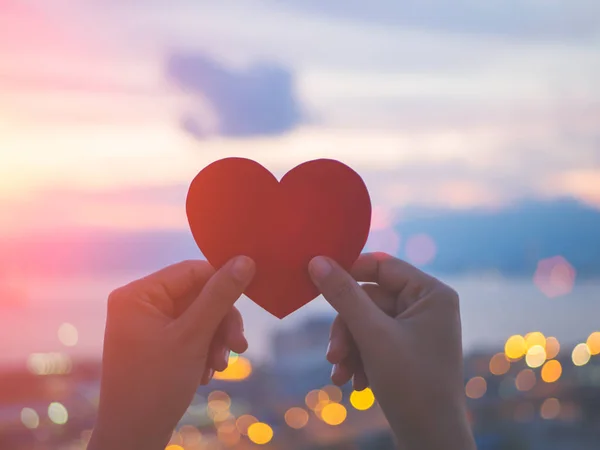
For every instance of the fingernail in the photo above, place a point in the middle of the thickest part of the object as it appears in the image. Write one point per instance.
(328, 349)
(319, 267)
(334, 370)
(242, 269)
(226, 355)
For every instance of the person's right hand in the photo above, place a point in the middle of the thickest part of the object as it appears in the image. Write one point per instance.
(401, 334)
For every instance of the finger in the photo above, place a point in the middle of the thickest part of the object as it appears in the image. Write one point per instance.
(360, 381)
(219, 357)
(390, 273)
(341, 374)
(162, 288)
(233, 331)
(382, 298)
(340, 341)
(359, 312)
(207, 376)
(219, 294)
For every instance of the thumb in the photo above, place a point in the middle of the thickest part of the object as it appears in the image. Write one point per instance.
(361, 314)
(217, 297)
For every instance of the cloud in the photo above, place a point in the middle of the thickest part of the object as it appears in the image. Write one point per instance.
(253, 102)
(515, 18)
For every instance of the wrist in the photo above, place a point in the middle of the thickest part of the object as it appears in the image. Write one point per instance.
(439, 428)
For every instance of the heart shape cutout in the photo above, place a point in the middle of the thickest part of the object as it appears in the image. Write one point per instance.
(237, 207)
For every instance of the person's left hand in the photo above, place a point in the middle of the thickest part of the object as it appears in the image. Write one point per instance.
(165, 335)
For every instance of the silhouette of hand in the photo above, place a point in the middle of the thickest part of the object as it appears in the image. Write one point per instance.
(401, 334)
(166, 334)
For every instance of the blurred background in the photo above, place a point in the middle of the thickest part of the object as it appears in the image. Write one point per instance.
(476, 126)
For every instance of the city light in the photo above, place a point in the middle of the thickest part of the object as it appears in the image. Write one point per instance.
(334, 393)
(551, 371)
(536, 356)
(581, 355)
(535, 338)
(550, 409)
(476, 388)
(334, 414)
(260, 433)
(316, 397)
(228, 435)
(552, 347)
(525, 380)
(57, 413)
(30, 418)
(420, 249)
(296, 417)
(49, 363)
(593, 343)
(362, 400)
(554, 276)
(190, 435)
(499, 365)
(239, 369)
(243, 423)
(68, 335)
(515, 347)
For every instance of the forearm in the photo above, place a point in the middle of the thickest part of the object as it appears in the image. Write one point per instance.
(118, 436)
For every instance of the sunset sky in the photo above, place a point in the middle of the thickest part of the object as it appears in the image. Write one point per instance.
(108, 108)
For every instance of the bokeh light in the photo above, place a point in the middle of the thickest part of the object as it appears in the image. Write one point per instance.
(30, 418)
(550, 409)
(551, 371)
(476, 387)
(243, 423)
(334, 393)
(552, 347)
(381, 217)
(174, 447)
(554, 276)
(515, 347)
(296, 417)
(581, 355)
(499, 365)
(420, 249)
(68, 335)
(49, 363)
(535, 338)
(525, 380)
(239, 368)
(190, 436)
(385, 240)
(260, 433)
(362, 400)
(57, 413)
(229, 435)
(316, 397)
(333, 414)
(593, 343)
(536, 356)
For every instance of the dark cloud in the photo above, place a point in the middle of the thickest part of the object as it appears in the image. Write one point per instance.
(523, 18)
(256, 101)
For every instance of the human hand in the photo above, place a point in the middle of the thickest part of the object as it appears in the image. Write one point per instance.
(166, 334)
(401, 333)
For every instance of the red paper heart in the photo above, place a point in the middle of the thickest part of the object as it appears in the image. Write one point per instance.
(237, 207)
